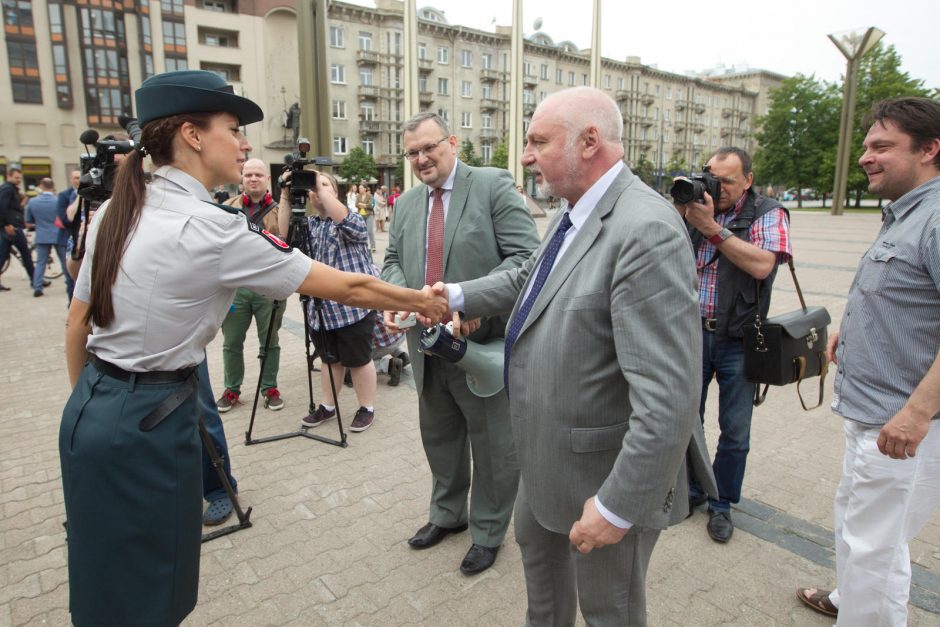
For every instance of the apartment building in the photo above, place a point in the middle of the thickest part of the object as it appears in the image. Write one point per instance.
(74, 64)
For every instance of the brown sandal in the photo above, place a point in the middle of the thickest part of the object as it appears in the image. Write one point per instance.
(818, 600)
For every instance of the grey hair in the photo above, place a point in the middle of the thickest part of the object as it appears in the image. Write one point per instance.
(603, 112)
(419, 118)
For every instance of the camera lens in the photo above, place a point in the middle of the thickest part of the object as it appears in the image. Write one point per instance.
(685, 191)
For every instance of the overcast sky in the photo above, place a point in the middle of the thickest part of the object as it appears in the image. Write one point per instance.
(785, 36)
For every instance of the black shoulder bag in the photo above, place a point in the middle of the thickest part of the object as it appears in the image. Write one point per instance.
(786, 348)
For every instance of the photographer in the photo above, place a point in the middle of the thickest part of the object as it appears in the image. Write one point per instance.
(740, 239)
(338, 239)
(259, 207)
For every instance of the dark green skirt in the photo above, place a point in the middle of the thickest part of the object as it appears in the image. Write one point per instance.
(133, 502)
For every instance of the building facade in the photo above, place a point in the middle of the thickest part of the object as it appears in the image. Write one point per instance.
(74, 64)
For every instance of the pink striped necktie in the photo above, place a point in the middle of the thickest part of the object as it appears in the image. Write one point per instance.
(434, 271)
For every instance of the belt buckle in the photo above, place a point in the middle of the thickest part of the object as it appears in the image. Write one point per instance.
(710, 324)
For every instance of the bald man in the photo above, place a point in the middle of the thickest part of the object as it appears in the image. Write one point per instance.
(607, 305)
(258, 205)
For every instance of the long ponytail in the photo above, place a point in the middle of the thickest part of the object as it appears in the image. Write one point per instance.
(123, 214)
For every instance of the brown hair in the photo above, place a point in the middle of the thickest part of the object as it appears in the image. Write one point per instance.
(917, 117)
(120, 220)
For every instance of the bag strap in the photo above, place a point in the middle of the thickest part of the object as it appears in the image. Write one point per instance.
(759, 396)
(823, 371)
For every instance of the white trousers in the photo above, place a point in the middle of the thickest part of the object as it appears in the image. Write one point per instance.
(880, 505)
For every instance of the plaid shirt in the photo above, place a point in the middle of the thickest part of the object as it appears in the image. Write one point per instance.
(343, 246)
(769, 232)
(382, 337)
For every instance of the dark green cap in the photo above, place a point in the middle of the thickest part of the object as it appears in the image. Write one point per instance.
(192, 91)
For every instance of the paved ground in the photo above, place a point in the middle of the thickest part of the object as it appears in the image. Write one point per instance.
(328, 542)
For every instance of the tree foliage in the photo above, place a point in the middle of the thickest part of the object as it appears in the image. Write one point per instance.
(644, 169)
(800, 129)
(500, 157)
(468, 154)
(358, 166)
(676, 166)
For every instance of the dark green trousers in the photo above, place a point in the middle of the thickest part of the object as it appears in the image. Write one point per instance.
(133, 502)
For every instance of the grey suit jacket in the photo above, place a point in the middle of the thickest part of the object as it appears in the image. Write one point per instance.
(605, 377)
(488, 229)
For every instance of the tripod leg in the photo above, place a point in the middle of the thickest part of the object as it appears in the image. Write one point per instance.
(263, 358)
(219, 466)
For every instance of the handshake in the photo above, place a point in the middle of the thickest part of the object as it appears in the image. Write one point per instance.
(435, 310)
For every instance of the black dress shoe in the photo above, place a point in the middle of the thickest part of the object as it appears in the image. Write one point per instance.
(720, 527)
(430, 534)
(478, 559)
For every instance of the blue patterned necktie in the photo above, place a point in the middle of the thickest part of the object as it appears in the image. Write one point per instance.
(545, 268)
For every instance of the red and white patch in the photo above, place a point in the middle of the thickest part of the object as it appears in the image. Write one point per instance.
(272, 239)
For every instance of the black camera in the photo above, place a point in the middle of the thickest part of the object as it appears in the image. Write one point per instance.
(97, 181)
(686, 189)
(302, 180)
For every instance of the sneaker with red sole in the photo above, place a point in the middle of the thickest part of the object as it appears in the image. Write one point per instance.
(273, 400)
(227, 401)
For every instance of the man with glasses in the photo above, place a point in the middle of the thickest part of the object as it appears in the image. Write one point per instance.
(460, 224)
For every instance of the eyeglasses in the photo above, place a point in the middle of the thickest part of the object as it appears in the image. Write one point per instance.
(411, 155)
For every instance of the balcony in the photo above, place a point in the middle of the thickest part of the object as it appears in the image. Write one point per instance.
(698, 128)
(490, 75)
(425, 65)
(678, 125)
(623, 94)
(681, 104)
(726, 131)
(387, 160)
(370, 126)
(367, 57)
(488, 104)
(425, 97)
(699, 107)
(528, 108)
(647, 99)
(726, 112)
(530, 79)
(368, 91)
(490, 133)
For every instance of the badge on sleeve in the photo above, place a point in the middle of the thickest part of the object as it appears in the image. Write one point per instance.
(272, 239)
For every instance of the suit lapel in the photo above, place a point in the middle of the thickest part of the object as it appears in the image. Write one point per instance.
(415, 230)
(579, 247)
(458, 200)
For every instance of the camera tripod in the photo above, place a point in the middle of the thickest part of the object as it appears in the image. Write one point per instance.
(243, 515)
(298, 236)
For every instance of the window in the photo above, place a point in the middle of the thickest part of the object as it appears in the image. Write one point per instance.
(368, 146)
(173, 64)
(571, 79)
(466, 58)
(559, 76)
(442, 86)
(339, 109)
(222, 6)
(444, 114)
(606, 81)
(367, 112)
(544, 74)
(486, 151)
(26, 91)
(584, 79)
(336, 37)
(443, 55)
(365, 41)
(339, 145)
(666, 114)
(466, 89)
(422, 52)
(104, 62)
(487, 91)
(466, 120)
(668, 93)
(218, 38)
(422, 83)
(620, 83)
(174, 7)
(338, 73)
(21, 51)
(365, 76)
(231, 73)
(18, 18)
(174, 35)
(486, 61)
(486, 120)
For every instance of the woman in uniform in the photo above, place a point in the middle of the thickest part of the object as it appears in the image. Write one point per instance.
(161, 269)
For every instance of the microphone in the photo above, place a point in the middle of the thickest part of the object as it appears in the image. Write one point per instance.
(89, 137)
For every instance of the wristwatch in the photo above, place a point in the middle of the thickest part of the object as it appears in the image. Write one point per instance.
(719, 237)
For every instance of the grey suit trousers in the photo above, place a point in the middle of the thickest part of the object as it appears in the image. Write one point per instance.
(609, 583)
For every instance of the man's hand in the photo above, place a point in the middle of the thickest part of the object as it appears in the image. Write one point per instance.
(593, 531)
(831, 347)
(388, 317)
(435, 308)
(702, 216)
(901, 436)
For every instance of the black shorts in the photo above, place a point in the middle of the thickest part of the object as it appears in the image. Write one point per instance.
(350, 346)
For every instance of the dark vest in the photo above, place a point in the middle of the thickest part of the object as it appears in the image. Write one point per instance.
(736, 298)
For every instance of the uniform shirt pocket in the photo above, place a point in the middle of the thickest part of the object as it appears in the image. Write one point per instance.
(596, 439)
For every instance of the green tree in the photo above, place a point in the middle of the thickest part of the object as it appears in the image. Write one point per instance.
(645, 170)
(676, 166)
(468, 155)
(500, 157)
(879, 76)
(358, 166)
(799, 130)
(400, 170)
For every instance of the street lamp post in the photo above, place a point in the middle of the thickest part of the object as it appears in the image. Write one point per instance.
(853, 45)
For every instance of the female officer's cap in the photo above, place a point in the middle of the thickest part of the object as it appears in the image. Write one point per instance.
(191, 91)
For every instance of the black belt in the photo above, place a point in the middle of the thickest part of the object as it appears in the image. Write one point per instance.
(710, 324)
(186, 376)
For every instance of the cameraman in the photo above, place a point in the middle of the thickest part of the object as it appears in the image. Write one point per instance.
(737, 241)
(260, 208)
